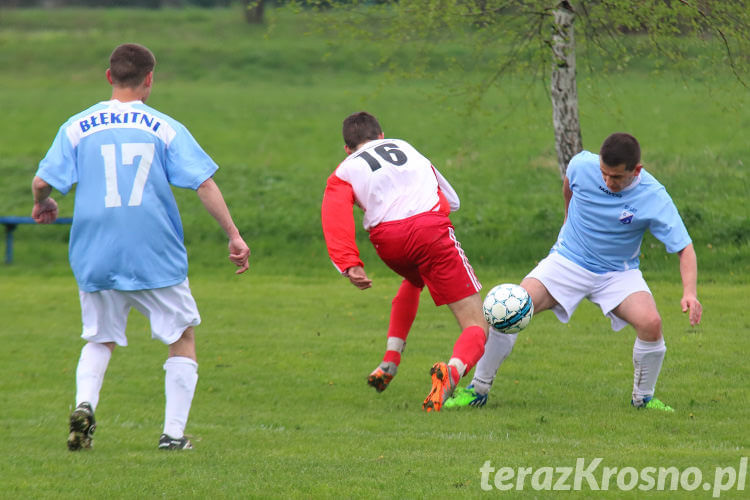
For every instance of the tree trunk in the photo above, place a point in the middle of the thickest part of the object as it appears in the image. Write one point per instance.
(253, 11)
(564, 94)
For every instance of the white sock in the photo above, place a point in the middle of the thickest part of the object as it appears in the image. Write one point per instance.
(647, 360)
(498, 347)
(90, 373)
(180, 380)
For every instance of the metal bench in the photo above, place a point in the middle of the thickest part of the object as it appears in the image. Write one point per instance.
(12, 222)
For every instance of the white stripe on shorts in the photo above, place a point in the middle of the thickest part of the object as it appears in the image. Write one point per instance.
(467, 266)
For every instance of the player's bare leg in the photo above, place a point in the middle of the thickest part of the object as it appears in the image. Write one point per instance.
(540, 296)
(181, 377)
(467, 350)
(639, 309)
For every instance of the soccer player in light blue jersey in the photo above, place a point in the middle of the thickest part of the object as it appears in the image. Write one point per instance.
(610, 202)
(126, 242)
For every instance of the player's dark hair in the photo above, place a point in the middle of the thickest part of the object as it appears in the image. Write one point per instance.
(130, 63)
(359, 128)
(621, 148)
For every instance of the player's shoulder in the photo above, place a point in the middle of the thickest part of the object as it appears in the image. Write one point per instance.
(585, 161)
(402, 145)
(584, 158)
(398, 142)
(338, 167)
(173, 122)
(648, 178)
(387, 142)
(651, 184)
(413, 155)
(155, 112)
(346, 169)
(86, 112)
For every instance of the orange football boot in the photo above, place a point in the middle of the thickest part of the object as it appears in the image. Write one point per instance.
(442, 387)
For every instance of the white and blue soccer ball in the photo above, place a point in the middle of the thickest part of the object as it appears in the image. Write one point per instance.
(508, 308)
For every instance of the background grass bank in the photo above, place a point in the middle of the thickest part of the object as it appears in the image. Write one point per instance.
(267, 104)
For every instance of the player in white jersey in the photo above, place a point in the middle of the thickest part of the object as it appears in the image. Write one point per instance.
(406, 203)
(610, 202)
(126, 241)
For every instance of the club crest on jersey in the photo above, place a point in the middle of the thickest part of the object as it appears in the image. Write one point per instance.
(626, 217)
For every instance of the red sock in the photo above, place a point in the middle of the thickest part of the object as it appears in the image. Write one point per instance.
(455, 376)
(392, 357)
(470, 346)
(403, 311)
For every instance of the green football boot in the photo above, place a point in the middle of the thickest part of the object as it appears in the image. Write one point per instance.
(651, 403)
(466, 396)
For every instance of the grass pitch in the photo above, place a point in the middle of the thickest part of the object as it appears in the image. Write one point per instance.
(282, 408)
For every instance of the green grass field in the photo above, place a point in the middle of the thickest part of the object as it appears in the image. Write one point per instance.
(282, 409)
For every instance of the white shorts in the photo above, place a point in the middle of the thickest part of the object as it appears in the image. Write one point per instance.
(569, 284)
(170, 310)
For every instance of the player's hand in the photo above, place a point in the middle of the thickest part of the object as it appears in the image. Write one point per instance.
(690, 303)
(358, 277)
(45, 212)
(239, 253)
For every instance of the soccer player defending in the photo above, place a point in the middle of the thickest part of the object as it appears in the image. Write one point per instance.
(126, 241)
(610, 202)
(406, 203)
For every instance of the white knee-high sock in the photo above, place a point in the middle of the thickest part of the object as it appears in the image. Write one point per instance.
(92, 365)
(498, 347)
(180, 380)
(647, 360)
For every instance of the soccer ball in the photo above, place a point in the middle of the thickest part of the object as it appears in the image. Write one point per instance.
(508, 308)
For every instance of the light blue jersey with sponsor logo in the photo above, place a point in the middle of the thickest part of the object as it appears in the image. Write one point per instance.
(123, 157)
(604, 230)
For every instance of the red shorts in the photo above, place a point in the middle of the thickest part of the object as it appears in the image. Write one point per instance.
(424, 250)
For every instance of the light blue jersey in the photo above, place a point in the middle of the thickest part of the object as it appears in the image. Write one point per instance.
(604, 230)
(126, 232)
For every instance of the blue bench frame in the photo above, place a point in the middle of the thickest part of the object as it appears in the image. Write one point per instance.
(12, 222)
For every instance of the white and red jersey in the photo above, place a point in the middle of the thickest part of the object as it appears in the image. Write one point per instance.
(389, 180)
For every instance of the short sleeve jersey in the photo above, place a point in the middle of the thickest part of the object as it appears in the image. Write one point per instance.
(123, 158)
(604, 230)
(391, 181)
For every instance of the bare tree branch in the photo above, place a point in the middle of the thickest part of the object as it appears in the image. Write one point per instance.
(732, 64)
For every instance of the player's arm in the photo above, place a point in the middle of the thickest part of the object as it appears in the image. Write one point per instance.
(45, 208)
(339, 231)
(567, 195)
(447, 190)
(212, 199)
(689, 274)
